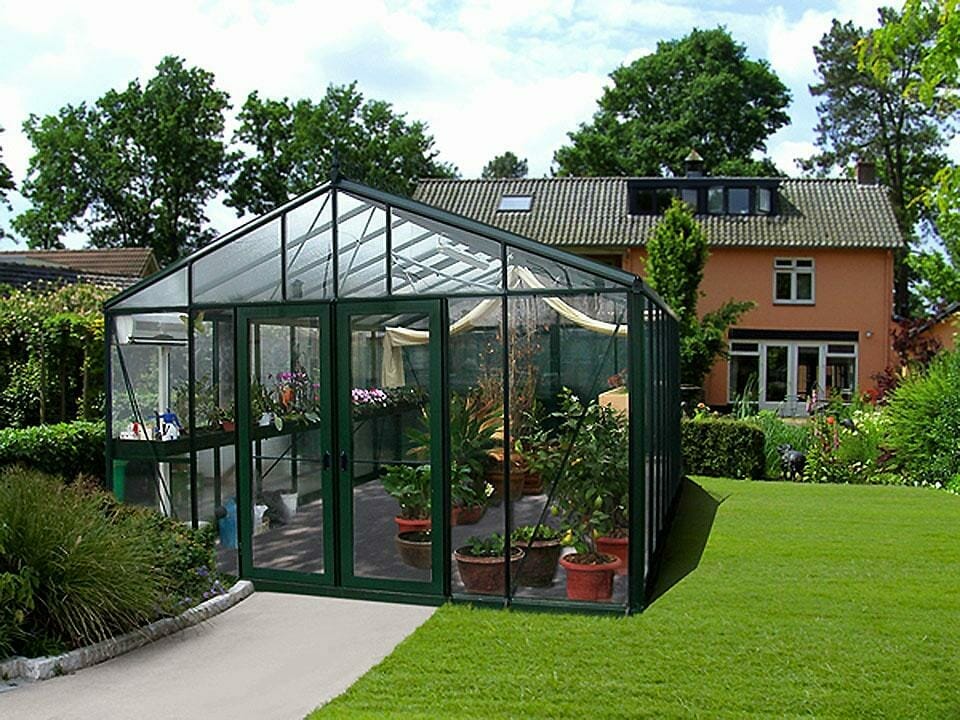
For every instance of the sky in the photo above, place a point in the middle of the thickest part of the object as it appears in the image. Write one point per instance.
(485, 75)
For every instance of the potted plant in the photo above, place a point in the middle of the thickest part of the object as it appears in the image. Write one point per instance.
(541, 545)
(415, 548)
(261, 404)
(592, 491)
(468, 496)
(409, 485)
(481, 564)
(226, 416)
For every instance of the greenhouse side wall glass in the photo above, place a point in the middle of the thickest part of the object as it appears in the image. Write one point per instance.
(369, 397)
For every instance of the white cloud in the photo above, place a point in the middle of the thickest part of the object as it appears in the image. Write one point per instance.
(785, 153)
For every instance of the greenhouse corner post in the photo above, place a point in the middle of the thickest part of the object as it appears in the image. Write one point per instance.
(445, 539)
(108, 405)
(638, 470)
(192, 410)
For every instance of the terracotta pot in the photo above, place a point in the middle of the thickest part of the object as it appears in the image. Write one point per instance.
(460, 515)
(228, 425)
(484, 575)
(532, 483)
(415, 549)
(539, 563)
(620, 547)
(589, 582)
(494, 476)
(405, 525)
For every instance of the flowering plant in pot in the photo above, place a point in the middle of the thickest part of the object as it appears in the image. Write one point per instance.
(409, 485)
(592, 491)
(481, 564)
(541, 545)
(468, 495)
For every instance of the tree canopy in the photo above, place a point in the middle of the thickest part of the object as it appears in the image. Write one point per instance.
(6, 184)
(700, 91)
(294, 143)
(863, 116)
(507, 165)
(135, 169)
(676, 255)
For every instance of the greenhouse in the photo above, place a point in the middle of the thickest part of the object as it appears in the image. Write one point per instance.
(369, 397)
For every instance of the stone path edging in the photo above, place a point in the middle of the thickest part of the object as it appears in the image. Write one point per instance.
(43, 668)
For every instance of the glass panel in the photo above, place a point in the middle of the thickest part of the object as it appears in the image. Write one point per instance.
(479, 486)
(763, 201)
(784, 288)
(246, 269)
(310, 249)
(742, 347)
(808, 371)
(529, 271)
(287, 448)
(841, 349)
(804, 286)
(515, 202)
(691, 197)
(776, 385)
(744, 377)
(429, 257)
(389, 450)
(664, 198)
(362, 246)
(169, 291)
(739, 201)
(715, 200)
(803, 263)
(783, 262)
(558, 370)
(646, 202)
(841, 376)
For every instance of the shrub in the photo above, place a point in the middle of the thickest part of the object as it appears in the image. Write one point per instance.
(76, 566)
(924, 423)
(66, 449)
(74, 575)
(722, 448)
(777, 432)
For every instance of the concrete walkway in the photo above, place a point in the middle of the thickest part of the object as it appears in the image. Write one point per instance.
(272, 656)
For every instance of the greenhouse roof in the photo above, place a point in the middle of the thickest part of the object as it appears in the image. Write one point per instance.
(344, 239)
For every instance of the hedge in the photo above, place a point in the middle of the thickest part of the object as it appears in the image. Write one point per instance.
(65, 449)
(722, 448)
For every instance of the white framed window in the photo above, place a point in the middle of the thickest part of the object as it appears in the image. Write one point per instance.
(515, 203)
(793, 281)
(782, 375)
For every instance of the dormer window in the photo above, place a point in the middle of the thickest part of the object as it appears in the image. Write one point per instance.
(738, 201)
(515, 203)
(704, 195)
(654, 201)
(764, 203)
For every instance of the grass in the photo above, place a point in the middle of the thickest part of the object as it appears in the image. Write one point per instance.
(827, 601)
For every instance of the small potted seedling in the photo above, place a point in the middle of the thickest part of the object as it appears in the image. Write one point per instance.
(409, 485)
(541, 545)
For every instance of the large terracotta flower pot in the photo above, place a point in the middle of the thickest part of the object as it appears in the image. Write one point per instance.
(460, 515)
(484, 575)
(494, 476)
(539, 564)
(415, 549)
(405, 525)
(532, 483)
(589, 582)
(620, 547)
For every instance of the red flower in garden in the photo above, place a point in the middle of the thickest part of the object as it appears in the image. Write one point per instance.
(831, 420)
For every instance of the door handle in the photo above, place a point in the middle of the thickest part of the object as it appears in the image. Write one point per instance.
(343, 460)
(326, 460)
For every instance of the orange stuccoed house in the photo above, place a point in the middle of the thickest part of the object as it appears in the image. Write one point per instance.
(815, 255)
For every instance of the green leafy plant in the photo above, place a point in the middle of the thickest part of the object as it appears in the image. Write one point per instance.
(491, 545)
(777, 432)
(409, 485)
(592, 486)
(924, 423)
(847, 449)
(525, 533)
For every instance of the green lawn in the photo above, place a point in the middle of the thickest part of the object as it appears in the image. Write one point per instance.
(808, 601)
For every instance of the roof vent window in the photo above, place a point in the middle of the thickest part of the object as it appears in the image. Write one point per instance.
(515, 203)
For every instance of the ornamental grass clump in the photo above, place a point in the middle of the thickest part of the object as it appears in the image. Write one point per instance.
(924, 424)
(74, 569)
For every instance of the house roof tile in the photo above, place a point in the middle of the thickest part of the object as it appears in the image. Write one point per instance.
(585, 212)
(125, 262)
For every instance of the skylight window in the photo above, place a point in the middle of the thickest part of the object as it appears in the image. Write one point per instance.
(515, 203)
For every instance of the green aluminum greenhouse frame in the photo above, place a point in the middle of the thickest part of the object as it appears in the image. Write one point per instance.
(292, 312)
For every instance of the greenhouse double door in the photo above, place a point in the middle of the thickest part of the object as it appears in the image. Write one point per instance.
(333, 398)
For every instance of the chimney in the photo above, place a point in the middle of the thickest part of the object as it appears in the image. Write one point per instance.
(866, 172)
(693, 164)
